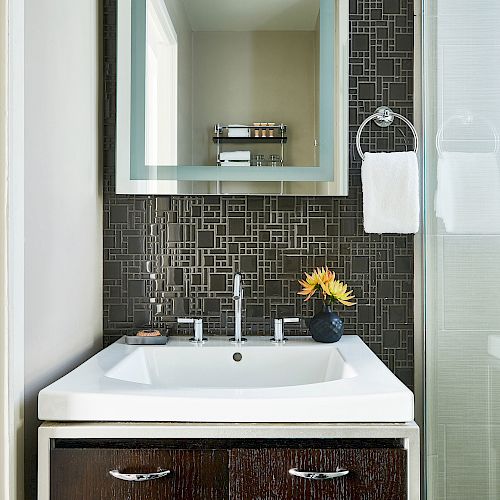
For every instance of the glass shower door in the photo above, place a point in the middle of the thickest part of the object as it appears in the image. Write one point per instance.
(462, 248)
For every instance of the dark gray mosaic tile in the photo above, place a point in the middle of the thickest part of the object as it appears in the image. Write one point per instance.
(112, 270)
(385, 67)
(391, 339)
(248, 263)
(136, 288)
(181, 252)
(404, 264)
(118, 214)
(211, 306)
(366, 314)
(237, 227)
(205, 239)
(273, 288)
(366, 91)
(360, 264)
(385, 289)
(404, 42)
(117, 313)
(286, 203)
(218, 283)
(391, 6)
(397, 91)
(136, 244)
(360, 42)
(397, 314)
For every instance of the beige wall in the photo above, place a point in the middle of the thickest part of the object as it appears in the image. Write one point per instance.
(185, 77)
(246, 77)
(63, 203)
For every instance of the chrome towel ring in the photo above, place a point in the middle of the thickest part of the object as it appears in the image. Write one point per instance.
(383, 117)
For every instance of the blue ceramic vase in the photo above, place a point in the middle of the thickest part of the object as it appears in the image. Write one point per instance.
(326, 326)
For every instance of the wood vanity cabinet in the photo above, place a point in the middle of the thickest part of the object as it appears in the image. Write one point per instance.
(83, 474)
(226, 471)
(374, 474)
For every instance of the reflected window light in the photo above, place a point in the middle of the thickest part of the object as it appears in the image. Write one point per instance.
(161, 87)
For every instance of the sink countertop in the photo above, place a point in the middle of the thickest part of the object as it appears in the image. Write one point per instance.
(300, 381)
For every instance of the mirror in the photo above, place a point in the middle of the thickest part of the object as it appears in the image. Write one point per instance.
(232, 96)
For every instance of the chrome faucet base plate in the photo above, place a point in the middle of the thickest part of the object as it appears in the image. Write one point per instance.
(234, 341)
(196, 341)
(274, 341)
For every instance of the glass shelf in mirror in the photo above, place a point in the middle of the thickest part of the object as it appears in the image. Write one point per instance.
(184, 65)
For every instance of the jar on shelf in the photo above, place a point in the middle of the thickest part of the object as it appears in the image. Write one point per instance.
(259, 160)
(275, 160)
(256, 131)
(270, 132)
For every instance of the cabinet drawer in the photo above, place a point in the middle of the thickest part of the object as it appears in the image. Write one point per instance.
(83, 474)
(263, 474)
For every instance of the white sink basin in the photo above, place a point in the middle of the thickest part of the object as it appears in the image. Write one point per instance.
(301, 381)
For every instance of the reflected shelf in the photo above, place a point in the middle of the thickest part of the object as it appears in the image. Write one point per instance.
(248, 140)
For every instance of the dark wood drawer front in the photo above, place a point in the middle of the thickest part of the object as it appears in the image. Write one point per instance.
(262, 474)
(83, 474)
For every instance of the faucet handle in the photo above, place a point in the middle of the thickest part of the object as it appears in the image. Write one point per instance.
(279, 329)
(198, 329)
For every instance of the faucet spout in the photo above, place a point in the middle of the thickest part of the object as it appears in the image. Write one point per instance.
(238, 300)
(237, 287)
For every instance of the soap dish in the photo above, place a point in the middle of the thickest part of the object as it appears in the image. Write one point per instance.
(133, 339)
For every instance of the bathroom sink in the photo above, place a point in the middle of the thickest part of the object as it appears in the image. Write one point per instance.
(300, 381)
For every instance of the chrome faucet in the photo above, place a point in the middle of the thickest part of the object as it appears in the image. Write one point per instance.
(238, 300)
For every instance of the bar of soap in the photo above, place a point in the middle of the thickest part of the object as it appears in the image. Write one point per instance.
(148, 333)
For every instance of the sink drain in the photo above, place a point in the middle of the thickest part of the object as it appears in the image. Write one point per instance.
(237, 356)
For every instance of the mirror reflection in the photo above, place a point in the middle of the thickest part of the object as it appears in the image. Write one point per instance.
(232, 83)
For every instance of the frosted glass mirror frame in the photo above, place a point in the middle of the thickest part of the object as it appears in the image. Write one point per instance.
(127, 183)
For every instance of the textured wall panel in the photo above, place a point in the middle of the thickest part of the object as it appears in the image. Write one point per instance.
(192, 245)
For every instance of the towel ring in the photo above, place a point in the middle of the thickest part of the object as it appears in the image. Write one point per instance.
(383, 117)
(466, 119)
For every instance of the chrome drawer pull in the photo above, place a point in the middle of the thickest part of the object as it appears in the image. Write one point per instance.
(318, 475)
(140, 477)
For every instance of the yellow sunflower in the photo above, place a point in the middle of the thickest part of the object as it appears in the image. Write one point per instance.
(323, 280)
(336, 290)
(316, 281)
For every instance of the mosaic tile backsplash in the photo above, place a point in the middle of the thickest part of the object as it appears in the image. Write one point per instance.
(166, 257)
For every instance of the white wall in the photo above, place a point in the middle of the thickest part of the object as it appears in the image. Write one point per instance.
(4, 426)
(182, 27)
(63, 205)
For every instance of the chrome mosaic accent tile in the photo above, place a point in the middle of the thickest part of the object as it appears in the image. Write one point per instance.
(175, 256)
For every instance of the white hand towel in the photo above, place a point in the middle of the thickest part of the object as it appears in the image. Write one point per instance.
(238, 131)
(390, 192)
(235, 156)
(468, 192)
(229, 163)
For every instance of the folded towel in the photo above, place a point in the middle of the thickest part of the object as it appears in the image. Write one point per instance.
(390, 192)
(229, 163)
(238, 131)
(468, 193)
(235, 155)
